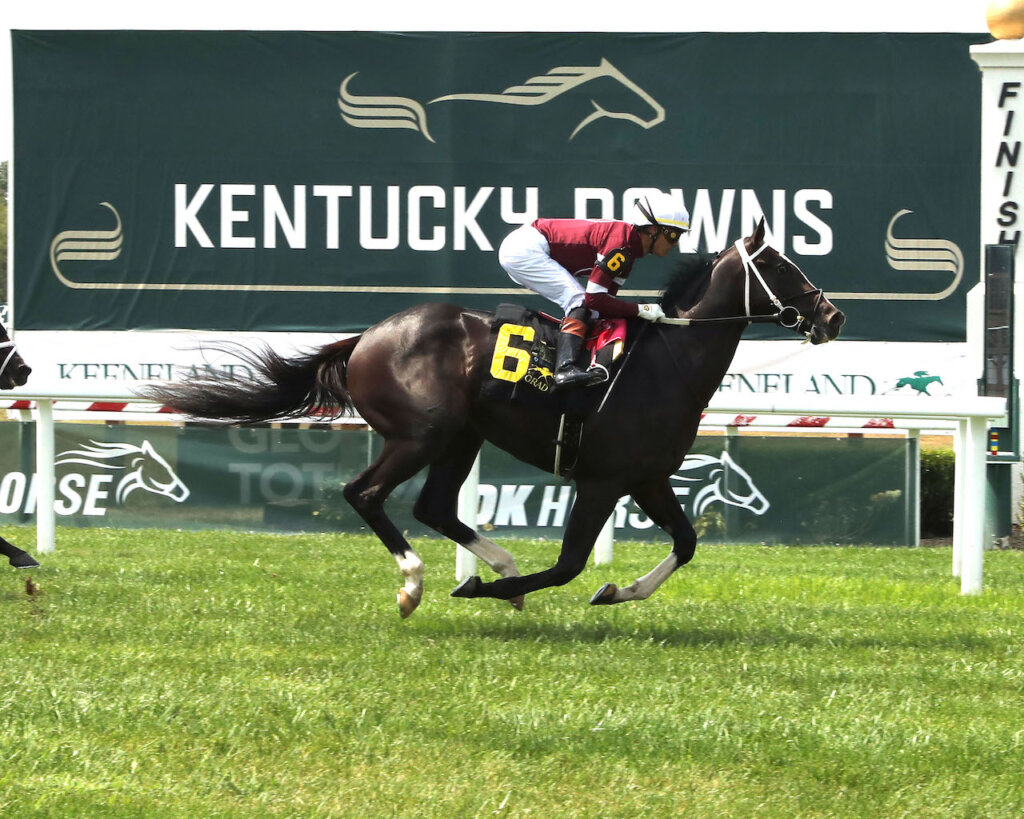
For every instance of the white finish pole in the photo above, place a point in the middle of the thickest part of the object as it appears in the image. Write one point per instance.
(973, 548)
(469, 505)
(46, 528)
(912, 494)
(960, 439)
(605, 544)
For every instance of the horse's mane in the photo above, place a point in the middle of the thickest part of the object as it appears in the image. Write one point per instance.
(689, 281)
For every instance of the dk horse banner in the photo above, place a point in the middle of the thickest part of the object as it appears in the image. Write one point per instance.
(291, 480)
(262, 181)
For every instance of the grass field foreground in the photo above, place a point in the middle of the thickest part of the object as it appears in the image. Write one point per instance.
(214, 674)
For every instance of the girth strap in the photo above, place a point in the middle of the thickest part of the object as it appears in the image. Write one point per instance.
(567, 447)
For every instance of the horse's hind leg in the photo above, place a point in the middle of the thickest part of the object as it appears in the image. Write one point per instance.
(398, 461)
(662, 506)
(437, 506)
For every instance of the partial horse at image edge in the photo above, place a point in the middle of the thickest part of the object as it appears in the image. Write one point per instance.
(14, 372)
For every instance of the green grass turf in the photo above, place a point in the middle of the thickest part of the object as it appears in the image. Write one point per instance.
(215, 674)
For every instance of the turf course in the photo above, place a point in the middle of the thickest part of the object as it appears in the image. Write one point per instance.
(213, 674)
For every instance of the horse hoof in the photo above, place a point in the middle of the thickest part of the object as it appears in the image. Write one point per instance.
(518, 601)
(406, 603)
(605, 595)
(23, 561)
(470, 587)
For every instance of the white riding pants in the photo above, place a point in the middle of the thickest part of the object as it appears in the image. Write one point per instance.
(526, 257)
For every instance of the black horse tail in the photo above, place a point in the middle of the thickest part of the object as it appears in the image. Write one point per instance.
(310, 384)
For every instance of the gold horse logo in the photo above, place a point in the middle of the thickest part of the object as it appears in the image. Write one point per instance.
(402, 112)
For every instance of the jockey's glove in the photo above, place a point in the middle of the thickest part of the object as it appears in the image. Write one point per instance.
(651, 312)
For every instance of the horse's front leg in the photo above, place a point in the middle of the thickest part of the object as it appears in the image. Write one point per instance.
(661, 505)
(16, 557)
(594, 503)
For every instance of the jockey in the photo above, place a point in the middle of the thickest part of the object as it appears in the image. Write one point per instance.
(547, 256)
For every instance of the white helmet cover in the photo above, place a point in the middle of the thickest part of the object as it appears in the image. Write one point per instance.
(660, 209)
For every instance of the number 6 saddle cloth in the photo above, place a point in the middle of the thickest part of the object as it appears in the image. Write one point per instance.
(522, 361)
(522, 365)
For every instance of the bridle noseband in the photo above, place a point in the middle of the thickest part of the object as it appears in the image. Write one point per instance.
(788, 315)
(10, 355)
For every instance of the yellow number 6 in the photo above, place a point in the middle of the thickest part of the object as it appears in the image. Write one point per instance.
(503, 352)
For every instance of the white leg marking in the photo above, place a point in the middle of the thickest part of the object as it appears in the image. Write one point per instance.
(412, 570)
(493, 555)
(645, 586)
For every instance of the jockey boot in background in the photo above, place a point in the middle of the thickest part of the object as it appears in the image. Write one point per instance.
(570, 341)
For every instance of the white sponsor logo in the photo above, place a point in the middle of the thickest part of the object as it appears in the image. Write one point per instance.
(705, 479)
(701, 481)
(143, 468)
(133, 467)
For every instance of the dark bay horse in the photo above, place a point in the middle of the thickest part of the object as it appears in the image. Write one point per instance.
(418, 379)
(14, 372)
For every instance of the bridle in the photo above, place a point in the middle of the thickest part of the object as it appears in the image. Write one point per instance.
(10, 354)
(787, 315)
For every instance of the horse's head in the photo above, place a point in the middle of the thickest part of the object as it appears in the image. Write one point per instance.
(14, 372)
(769, 283)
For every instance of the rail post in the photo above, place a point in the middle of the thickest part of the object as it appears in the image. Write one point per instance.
(46, 522)
(469, 505)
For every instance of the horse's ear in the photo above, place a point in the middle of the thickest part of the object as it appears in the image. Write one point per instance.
(758, 238)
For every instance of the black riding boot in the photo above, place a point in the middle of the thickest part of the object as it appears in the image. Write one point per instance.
(570, 342)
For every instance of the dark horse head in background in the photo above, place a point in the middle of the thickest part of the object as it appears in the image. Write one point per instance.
(14, 372)
(418, 378)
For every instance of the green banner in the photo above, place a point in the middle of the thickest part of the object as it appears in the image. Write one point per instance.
(321, 181)
(839, 490)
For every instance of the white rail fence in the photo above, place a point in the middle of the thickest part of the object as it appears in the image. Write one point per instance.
(969, 419)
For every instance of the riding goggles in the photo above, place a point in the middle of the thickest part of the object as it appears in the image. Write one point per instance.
(672, 234)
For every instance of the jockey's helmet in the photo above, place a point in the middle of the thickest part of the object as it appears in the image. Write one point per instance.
(663, 211)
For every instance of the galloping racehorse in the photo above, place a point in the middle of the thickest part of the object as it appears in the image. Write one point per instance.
(14, 372)
(418, 379)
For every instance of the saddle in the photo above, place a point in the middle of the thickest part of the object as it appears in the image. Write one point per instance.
(522, 371)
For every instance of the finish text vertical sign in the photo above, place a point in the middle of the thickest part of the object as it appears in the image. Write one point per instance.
(1002, 162)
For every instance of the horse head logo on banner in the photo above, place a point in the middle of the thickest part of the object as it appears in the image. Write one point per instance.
(706, 479)
(608, 91)
(143, 465)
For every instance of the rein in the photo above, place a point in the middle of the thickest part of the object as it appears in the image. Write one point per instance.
(789, 317)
